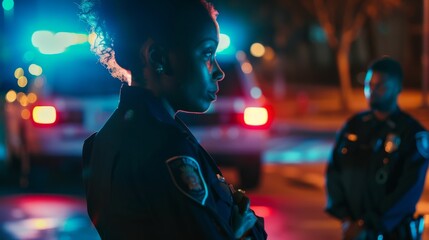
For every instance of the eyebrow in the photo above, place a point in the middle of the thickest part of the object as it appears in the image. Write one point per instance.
(208, 39)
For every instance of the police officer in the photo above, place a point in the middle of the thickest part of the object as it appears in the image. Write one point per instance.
(377, 171)
(146, 177)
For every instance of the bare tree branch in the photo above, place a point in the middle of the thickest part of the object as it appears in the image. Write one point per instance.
(321, 12)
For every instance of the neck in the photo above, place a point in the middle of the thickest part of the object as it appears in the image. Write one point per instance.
(383, 115)
(168, 107)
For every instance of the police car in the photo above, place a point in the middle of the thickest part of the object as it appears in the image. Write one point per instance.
(56, 106)
(236, 127)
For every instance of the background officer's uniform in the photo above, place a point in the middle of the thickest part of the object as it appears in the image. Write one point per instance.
(377, 172)
(146, 177)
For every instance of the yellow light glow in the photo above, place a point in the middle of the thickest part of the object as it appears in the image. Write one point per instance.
(255, 116)
(19, 72)
(269, 54)
(352, 137)
(35, 70)
(25, 114)
(23, 101)
(91, 38)
(44, 114)
(80, 38)
(54, 43)
(246, 68)
(41, 223)
(388, 147)
(10, 96)
(32, 98)
(257, 50)
(19, 96)
(22, 81)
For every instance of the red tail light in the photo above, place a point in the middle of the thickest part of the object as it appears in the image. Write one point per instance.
(256, 116)
(44, 114)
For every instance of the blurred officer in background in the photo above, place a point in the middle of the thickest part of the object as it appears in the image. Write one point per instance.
(146, 176)
(377, 171)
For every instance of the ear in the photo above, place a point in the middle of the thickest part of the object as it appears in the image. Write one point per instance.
(157, 57)
(398, 87)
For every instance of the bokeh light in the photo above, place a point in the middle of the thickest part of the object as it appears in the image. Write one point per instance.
(54, 43)
(8, 4)
(19, 95)
(257, 50)
(256, 92)
(23, 100)
(269, 54)
(10, 96)
(32, 98)
(22, 81)
(224, 42)
(241, 56)
(35, 70)
(246, 68)
(25, 114)
(19, 72)
(39, 82)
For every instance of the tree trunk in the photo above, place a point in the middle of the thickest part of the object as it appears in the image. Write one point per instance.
(370, 40)
(343, 67)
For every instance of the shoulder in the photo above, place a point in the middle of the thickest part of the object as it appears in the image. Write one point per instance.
(410, 123)
(416, 134)
(357, 120)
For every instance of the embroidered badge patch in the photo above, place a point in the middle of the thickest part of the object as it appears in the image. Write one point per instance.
(422, 141)
(186, 175)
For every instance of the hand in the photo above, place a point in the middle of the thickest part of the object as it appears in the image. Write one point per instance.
(242, 222)
(243, 218)
(352, 229)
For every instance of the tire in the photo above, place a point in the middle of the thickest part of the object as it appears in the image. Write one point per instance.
(250, 173)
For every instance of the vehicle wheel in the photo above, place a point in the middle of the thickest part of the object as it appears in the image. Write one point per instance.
(250, 173)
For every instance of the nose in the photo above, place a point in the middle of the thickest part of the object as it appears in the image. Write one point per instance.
(217, 74)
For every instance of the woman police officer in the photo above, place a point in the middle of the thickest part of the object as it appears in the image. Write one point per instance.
(146, 177)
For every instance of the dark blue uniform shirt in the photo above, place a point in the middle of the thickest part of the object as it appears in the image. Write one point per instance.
(146, 177)
(377, 170)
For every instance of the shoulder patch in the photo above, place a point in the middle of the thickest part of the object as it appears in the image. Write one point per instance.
(186, 175)
(422, 142)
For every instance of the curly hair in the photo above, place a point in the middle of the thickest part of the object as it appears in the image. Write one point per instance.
(120, 28)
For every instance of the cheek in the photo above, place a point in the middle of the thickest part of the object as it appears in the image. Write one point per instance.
(209, 66)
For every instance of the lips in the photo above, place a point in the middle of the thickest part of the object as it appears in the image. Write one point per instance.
(212, 95)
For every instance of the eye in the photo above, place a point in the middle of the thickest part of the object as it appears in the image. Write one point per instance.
(208, 53)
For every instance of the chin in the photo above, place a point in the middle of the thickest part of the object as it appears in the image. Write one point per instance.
(198, 109)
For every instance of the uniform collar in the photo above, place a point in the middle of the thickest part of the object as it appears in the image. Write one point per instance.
(391, 120)
(139, 97)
